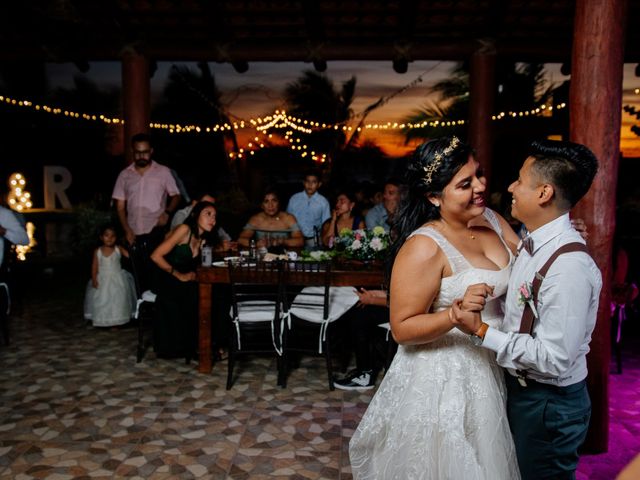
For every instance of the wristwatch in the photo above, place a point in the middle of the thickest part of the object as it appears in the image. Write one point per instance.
(478, 337)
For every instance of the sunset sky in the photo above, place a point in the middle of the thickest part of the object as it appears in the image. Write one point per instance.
(258, 92)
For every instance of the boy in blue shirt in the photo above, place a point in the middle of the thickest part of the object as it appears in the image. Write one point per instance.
(310, 208)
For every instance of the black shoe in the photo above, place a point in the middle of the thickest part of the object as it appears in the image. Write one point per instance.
(357, 380)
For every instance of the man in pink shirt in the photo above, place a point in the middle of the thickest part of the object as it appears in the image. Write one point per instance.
(141, 193)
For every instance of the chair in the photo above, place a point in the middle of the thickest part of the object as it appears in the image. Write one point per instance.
(256, 311)
(5, 309)
(5, 292)
(311, 307)
(145, 303)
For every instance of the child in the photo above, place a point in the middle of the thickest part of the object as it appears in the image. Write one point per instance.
(310, 209)
(111, 295)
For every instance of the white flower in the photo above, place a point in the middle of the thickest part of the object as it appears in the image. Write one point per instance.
(376, 244)
(356, 245)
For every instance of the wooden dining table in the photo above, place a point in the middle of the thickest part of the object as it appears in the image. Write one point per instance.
(342, 274)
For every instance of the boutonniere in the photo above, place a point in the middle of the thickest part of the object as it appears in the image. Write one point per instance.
(525, 297)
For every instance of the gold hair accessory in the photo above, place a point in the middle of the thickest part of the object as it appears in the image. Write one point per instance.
(430, 169)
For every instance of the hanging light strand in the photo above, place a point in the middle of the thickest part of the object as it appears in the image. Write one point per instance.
(278, 120)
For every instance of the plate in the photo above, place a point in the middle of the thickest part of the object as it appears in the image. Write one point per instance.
(219, 264)
(232, 259)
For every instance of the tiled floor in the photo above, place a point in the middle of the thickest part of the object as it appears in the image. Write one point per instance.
(75, 405)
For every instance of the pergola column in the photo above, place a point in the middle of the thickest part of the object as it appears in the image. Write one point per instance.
(595, 102)
(135, 97)
(482, 90)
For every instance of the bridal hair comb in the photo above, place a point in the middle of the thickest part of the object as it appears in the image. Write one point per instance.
(430, 169)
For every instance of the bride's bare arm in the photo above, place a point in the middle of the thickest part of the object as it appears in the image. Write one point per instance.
(415, 282)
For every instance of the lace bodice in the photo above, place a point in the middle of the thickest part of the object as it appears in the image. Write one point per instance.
(465, 274)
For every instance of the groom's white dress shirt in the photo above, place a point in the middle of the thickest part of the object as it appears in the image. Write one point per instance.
(567, 307)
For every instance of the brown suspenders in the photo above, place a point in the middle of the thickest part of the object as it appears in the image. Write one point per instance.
(528, 317)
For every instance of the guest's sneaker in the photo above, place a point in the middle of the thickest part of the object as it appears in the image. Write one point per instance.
(357, 380)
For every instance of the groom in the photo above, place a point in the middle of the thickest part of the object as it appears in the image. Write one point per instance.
(548, 405)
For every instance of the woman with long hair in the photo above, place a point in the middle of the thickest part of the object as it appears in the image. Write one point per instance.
(176, 327)
(344, 215)
(440, 410)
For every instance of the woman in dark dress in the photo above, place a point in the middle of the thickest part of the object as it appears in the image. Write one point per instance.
(176, 327)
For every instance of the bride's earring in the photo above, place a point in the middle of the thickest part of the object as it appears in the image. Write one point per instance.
(436, 204)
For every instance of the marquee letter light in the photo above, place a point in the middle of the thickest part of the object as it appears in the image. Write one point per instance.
(56, 180)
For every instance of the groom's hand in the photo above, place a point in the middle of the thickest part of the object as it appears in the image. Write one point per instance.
(475, 298)
(467, 321)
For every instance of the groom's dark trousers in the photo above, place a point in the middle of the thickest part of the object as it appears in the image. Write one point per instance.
(548, 424)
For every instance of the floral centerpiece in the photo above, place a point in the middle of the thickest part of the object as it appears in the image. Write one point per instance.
(362, 244)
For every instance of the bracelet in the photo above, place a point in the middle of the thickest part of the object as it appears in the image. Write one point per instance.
(450, 314)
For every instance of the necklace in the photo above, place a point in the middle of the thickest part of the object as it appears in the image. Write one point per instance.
(468, 232)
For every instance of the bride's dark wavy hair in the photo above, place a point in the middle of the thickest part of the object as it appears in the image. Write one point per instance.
(415, 209)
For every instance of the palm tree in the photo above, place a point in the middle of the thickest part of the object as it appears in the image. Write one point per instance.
(452, 104)
(313, 97)
(521, 87)
(192, 97)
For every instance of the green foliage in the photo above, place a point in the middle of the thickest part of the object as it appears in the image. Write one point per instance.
(86, 227)
(313, 96)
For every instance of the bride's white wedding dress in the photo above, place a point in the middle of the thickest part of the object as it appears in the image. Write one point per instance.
(440, 411)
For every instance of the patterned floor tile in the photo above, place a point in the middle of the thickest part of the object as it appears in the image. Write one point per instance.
(68, 460)
(74, 404)
(206, 460)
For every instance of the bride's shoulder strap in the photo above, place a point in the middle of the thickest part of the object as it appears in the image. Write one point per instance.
(493, 220)
(456, 260)
(430, 232)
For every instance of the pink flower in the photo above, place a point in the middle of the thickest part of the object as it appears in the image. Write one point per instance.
(525, 296)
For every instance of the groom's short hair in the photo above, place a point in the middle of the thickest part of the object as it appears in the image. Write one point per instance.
(569, 167)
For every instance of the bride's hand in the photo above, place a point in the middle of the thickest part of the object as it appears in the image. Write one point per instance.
(467, 321)
(580, 227)
(475, 298)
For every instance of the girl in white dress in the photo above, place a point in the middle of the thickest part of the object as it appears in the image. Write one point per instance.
(111, 296)
(439, 412)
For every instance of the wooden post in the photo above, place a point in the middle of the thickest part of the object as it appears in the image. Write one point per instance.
(135, 97)
(595, 102)
(483, 88)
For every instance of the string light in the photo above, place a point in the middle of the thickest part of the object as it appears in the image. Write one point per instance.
(279, 119)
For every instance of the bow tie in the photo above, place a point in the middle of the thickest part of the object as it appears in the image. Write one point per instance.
(527, 244)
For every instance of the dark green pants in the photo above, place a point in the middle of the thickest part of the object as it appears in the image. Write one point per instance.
(548, 424)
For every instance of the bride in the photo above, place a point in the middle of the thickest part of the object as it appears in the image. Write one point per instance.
(440, 411)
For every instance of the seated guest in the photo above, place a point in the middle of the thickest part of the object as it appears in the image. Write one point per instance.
(271, 227)
(381, 215)
(344, 215)
(363, 329)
